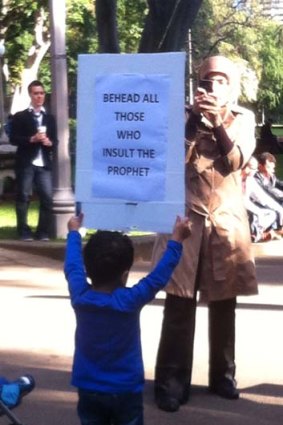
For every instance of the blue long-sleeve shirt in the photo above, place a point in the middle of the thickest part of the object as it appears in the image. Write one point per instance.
(108, 355)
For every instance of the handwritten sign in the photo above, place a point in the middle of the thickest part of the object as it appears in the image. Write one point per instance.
(130, 142)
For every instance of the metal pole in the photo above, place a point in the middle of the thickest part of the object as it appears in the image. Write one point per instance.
(191, 89)
(2, 117)
(63, 198)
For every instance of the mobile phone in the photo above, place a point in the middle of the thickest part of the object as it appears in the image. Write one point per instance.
(78, 208)
(207, 85)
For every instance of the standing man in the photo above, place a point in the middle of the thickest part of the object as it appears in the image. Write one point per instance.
(217, 259)
(34, 133)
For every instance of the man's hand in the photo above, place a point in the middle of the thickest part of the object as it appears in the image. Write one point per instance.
(181, 229)
(42, 138)
(46, 141)
(75, 222)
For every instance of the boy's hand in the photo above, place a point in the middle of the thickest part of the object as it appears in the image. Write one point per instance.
(181, 229)
(75, 222)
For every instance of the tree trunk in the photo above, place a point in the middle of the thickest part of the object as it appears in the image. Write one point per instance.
(167, 25)
(165, 30)
(36, 53)
(107, 26)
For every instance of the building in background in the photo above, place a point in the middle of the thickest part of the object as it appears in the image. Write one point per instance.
(271, 8)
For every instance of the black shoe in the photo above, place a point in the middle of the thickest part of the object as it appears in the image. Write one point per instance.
(226, 388)
(167, 403)
(186, 394)
(42, 237)
(26, 237)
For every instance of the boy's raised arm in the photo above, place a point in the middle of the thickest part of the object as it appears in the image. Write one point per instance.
(74, 267)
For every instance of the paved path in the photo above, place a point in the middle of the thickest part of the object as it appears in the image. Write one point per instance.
(36, 335)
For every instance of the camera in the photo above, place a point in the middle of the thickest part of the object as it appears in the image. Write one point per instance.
(207, 85)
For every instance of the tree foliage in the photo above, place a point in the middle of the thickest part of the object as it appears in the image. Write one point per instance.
(18, 20)
(271, 57)
(244, 34)
(221, 26)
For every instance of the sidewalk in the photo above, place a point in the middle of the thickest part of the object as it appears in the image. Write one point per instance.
(143, 247)
(37, 327)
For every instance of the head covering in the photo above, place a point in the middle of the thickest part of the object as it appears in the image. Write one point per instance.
(224, 66)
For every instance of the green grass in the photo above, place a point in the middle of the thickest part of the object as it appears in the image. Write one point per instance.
(279, 166)
(8, 218)
(278, 131)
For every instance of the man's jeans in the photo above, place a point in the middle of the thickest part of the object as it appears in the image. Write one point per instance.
(95, 408)
(42, 179)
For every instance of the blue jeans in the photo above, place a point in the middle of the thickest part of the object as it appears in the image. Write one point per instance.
(95, 408)
(42, 179)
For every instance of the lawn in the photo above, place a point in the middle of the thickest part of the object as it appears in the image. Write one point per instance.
(8, 218)
(279, 166)
(278, 131)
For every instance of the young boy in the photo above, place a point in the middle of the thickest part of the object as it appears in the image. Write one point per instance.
(108, 367)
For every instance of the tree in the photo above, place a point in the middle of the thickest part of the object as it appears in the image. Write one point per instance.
(244, 34)
(165, 29)
(23, 26)
(271, 83)
(123, 25)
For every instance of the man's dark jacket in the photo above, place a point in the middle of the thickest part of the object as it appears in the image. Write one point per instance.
(24, 126)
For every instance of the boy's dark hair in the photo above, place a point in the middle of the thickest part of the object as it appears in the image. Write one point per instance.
(35, 83)
(266, 156)
(107, 255)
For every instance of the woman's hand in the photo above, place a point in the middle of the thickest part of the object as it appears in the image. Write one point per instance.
(206, 104)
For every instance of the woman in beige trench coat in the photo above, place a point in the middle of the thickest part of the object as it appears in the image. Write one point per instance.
(217, 259)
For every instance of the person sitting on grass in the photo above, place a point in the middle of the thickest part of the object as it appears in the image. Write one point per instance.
(265, 214)
(108, 367)
(266, 177)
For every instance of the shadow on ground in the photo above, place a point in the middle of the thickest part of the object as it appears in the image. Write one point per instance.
(53, 401)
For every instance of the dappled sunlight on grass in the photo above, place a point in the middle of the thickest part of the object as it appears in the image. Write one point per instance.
(8, 218)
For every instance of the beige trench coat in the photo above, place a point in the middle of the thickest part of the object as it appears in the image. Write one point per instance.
(217, 258)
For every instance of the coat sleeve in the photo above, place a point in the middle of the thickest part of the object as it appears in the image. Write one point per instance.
(22, 129)
(278, 184)
(52, 130)
(244, 140)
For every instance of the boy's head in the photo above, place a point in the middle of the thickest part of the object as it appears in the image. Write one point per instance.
(267, 163)
(251, 167)
(108, 257)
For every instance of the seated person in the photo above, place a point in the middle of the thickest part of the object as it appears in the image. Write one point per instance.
(266, 177)
(265, 214)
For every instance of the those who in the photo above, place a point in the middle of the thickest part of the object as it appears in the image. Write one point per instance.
(33, 131)
(217, 260)
(107, 366)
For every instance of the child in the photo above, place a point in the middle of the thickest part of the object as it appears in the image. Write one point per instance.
(108, 367)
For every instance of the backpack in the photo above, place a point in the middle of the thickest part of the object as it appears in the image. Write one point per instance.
(8, 125)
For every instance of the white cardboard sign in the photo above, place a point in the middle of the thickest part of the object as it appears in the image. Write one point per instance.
(130, 140)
